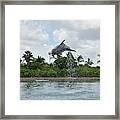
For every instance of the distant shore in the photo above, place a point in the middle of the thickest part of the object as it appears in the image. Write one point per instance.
(25, 79)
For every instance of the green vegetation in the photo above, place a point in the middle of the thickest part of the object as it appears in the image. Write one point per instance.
(37, 67)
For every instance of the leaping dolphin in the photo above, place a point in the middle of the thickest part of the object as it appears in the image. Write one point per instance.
(60, 48)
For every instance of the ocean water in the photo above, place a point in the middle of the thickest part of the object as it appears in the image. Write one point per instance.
(59, 90)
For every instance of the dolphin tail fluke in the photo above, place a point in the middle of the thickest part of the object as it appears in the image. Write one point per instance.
(70, 50)
(73, 50)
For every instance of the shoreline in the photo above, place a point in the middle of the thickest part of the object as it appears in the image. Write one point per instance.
(89, 79)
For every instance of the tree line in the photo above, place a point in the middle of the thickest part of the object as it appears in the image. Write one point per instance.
(61, 67)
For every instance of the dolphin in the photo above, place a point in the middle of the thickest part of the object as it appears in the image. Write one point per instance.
(60, 48)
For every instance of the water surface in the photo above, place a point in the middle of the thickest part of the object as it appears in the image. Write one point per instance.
(59, 90)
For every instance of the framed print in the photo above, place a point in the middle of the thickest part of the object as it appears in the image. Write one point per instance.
(59, 59)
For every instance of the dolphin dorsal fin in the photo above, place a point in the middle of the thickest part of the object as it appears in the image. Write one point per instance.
(62, 42)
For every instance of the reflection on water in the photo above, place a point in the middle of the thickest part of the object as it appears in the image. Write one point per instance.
(60, 90)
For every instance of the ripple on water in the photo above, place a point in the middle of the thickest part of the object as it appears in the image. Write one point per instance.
(67, 90)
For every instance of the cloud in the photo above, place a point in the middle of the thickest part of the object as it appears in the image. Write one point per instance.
(84, 24)
(76, 39)
(41, 36)
(37, 50)
(83, 36)
(32, 31)
(34, 38)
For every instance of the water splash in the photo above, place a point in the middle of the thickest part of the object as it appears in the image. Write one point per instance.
(71, 65)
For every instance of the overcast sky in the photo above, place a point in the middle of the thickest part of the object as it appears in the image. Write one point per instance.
(40, 36)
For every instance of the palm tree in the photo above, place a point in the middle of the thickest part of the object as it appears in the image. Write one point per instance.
(70, 59)
(28, 57)
(70, 55)
(61, 62)
(89, 62)
(80, 59)
(99, 59)
(40, 60)
(20, 61)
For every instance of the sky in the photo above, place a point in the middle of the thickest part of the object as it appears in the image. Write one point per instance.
(41, 36)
